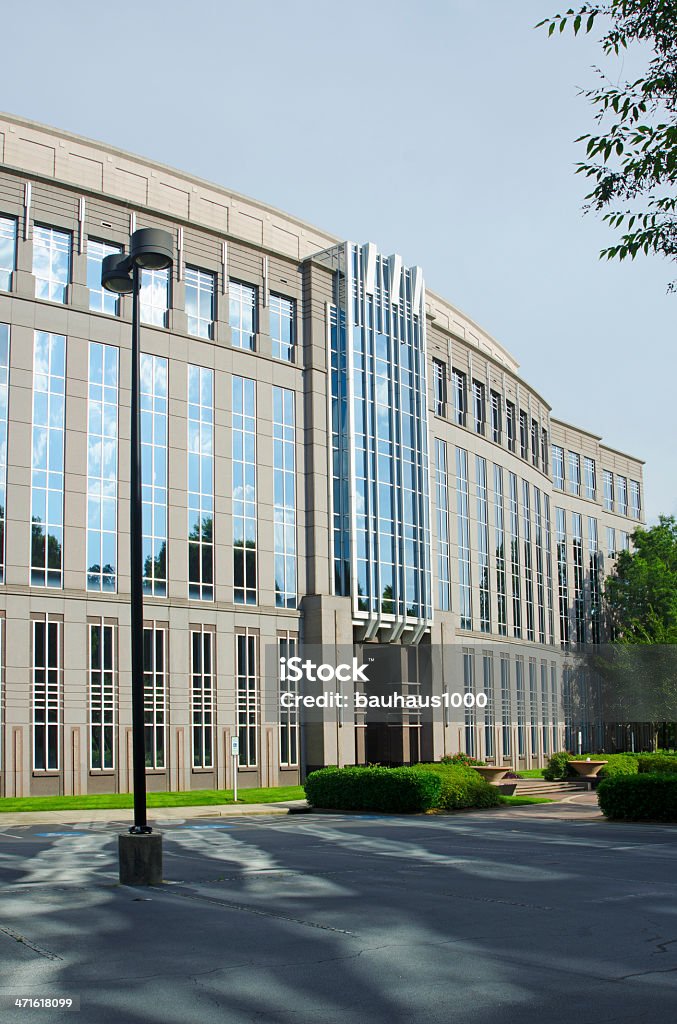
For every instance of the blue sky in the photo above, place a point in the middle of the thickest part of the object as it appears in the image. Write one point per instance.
(440, 130)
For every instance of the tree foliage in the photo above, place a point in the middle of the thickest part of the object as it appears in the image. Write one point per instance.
(641, 593)
(632, 161)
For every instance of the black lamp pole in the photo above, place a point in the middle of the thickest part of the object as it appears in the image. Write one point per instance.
(150, 249)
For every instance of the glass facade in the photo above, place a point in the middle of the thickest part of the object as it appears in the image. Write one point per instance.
(463, 522)
(506, 707)
(242, 309)
(4, 396)
(284, 497)
(528, 562)
(459, 391)
(558, 467)
(514, 524)
(102, 696)
(595, 584)
(47, 472)
(200, 483)
(590, 472)
(289, 717)
(622, 492)
(248, 710)
(440, 387)
(608, 478)
(282, 313)
(574, 473)
(51, 263)
(200, 302)
(479, 406)
(155, 695)
(579, 576)
(7, 252)
(47, 694)
(499, 525)
(496, 418)
(100, 300)
(245, 590)
(635, 503)
(154, 297)
(442, 505)
(562, 575)
(102, 467)
(483, 544)
(540, 568)
(153, 395)
(202, 696)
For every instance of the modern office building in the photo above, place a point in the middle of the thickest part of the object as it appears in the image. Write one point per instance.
(332, 455)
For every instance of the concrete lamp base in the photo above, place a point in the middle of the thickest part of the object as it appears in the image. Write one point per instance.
(140, 858)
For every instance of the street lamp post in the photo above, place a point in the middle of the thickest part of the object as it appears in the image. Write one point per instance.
(140, 850)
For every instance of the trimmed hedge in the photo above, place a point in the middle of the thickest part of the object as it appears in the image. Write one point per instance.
(462, 786)
(657, 764)
(639, 797)
(618, 764)
(394, 790)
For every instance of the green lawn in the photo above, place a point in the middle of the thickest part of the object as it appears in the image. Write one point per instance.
(114, 801)
(531, 773)
(516, 801)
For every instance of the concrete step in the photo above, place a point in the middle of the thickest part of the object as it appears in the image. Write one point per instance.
(541, 787)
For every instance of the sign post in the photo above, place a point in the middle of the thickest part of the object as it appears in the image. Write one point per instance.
(235, 751)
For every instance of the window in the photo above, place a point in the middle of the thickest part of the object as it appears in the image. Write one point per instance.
(244, 491)
(590, 472)
(154, 473)
(496, 418)
(289, 717)
(155, 297)
(608, 478)
(247, 673)
(488, 685)
(506, 707)
(200, 483)
(102, 696)
(625, 541)
(548, 566)
(479, 406)
(533, 707)
(47, 695)
(611, 542)
(7, 252)
(49, 380)
(545, 731)
(528, 565)
(524, 435)
(282, 326)
(513, 519)
(544, 451)
(465, 605)
(100, 300)
(562, 573)
(154, 694)
(574, 473)
(284, 497)
(51, 263)
(243, 302)
(499, 521)
(535, 446)
(458, 386)
(102, 467)
(4, 390)
(622, 491)
(440, 386)
(540, 559)
(558, 467)
(635, 504)
(579, 593)
(483, 544)
(442, 502)
(511, 425)
(595, 585)
(521, 706)
(469, 688)
(200, 292)
(202, 696)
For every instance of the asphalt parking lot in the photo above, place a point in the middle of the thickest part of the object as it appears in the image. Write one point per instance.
(316, 919)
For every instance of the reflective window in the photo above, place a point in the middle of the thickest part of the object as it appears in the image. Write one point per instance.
(102, 467)
(511, 425)
(479, 406)
(521, 706)
(540, 559)
(244, 491)
(528, 564)
(579, 576)
(248, 700)
(524, 434)
(154, 473)
(544, 450)
(499, 525)
(469, 688)
(440, 387)
(284, 497)
(289, 717)
(496, 418)
(155, 695)
(558, 467)
(154, 297)
(442, 502)
(7, 252)
(462, 502)
(533, 707)
(4, 390)
(49, 380)
(47, 695)
(458, 387)
(51, 263)
(535, 447)
(562, 574)
(200, 483)
(625, 541)
(590, 474)
(483, 544)
(506, 707)
(282, 326)
(243, 304)
(513, 521)
(622, 492)
(200, 293)
(202, 696)
(574, 473)
(102, 696)
(100, 300)
(611, 542)
(548, 566)
(488, 681)
(545, 731)
(608, 478)
(635, 503)
(595, 583)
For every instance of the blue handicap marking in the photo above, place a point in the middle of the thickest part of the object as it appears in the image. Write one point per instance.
(48, 835)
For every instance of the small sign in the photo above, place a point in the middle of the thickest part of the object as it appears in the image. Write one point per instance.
(235, 746)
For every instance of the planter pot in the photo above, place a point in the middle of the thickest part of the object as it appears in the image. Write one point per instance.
(588, 769)
(491, 773)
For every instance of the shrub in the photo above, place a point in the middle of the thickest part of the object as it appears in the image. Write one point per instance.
(462, 787)
(398, 790)
(661, 764)
(460, 758)
(639, 797)
(557, 767)
(618, 764)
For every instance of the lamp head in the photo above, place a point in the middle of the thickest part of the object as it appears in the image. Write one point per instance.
(115, 274)
(151, 249)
